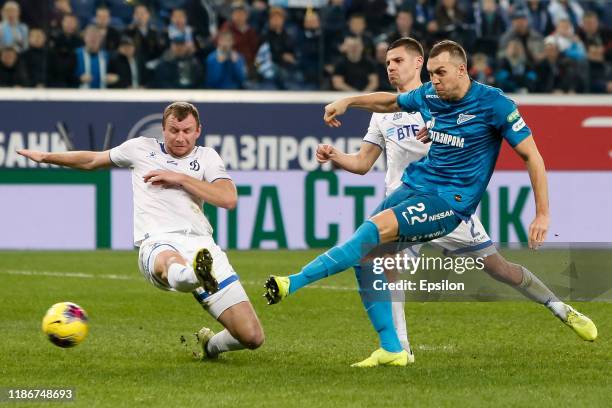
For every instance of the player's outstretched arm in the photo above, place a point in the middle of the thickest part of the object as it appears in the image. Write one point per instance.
(358, 163)
(220, 193)
(528, 151)
(84, 160)
(375, 102)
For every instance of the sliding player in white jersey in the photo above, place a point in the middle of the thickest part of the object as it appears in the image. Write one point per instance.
(170, 182)
(396, 134)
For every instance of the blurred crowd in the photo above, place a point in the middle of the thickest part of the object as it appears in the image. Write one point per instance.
(556, 46)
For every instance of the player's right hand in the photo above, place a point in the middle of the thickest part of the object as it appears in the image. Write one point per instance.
(325, 152)
(423, 135)
(332, 110)
(32, 155)
(537, 231)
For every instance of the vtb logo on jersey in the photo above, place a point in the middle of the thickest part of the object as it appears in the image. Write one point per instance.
(194, 165)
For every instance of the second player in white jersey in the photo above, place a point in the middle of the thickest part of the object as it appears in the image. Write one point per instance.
(395, 133)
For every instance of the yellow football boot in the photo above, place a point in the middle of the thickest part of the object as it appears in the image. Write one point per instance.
(384, 357)
(277, 288)
(582, 325)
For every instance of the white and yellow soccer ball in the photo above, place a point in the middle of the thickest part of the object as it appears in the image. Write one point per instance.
(65, 324)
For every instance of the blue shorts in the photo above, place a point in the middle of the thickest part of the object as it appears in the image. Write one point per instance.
(421, 216)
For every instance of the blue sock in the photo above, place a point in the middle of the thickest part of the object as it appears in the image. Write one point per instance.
(338, 258)
(380, 314)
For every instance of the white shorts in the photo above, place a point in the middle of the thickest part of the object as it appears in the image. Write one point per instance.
(469, 239)
(222, 300)
(230, 292)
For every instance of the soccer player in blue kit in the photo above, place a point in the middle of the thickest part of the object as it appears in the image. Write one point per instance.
(468, 121)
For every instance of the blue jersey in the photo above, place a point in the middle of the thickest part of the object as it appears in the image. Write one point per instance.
(466, 137)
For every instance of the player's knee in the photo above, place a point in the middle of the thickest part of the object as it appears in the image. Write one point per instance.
(387, 225)
(253, 337)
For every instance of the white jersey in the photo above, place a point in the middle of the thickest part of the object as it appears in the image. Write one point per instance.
(396, 134)
(158, 209)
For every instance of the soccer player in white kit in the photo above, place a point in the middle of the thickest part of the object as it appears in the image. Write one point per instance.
(171, 181)
(398, 135)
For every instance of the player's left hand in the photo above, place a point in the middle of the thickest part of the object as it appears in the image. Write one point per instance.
(538, 230)
(164, 178)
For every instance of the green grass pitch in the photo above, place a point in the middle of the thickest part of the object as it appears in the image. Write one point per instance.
(467, 353)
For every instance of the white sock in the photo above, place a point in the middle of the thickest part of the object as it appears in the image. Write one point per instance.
(558, 309)
(534, 289)
(182, 278)
(221, 342)
(399, 317)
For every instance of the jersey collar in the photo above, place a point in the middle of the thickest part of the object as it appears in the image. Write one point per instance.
(163, 149)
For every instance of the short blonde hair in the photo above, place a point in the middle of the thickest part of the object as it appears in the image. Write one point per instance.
(180, 110)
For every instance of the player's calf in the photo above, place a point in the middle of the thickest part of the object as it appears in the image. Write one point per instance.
(242, 330)
(501, 270)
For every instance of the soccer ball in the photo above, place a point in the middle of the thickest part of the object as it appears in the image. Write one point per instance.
(65, 324)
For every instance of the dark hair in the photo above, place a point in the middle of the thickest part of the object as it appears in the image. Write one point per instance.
(405, 10)
(454, 49)
(409, 43)
(180, 110)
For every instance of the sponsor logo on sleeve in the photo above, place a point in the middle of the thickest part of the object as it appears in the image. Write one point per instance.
(513, 116)
(518, 125)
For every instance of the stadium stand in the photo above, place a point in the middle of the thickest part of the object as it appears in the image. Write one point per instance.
(521, 46)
